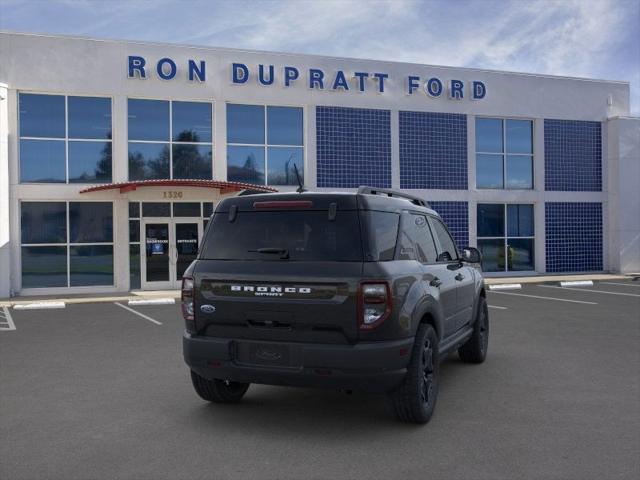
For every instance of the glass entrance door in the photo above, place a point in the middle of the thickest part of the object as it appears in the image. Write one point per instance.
(170, 247)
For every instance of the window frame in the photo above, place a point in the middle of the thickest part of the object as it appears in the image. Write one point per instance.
(266, 145)
(504, 154)
(170, 142)
(506, 236)
(66, 139)
(67, 244)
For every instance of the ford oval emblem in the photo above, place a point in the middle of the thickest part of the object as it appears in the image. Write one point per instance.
(208, 308)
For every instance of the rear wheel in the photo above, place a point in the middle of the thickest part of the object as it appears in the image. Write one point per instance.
(475, 349)
(415, 399)
(218, 391)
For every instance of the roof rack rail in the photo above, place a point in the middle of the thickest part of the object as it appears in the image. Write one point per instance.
(394, 194)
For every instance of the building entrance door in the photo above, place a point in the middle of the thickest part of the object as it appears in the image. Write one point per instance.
(170, 245)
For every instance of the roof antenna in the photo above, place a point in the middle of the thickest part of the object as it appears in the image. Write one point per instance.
(300, 188)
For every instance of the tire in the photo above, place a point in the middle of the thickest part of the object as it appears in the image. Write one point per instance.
(415, 399)
(218, 391)
(475, 349)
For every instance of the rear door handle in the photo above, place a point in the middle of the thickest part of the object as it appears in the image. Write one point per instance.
(435, 282)
(459, 277)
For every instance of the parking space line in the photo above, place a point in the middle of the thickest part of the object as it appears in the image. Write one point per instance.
(497, 307)
(591, 290)
(546, 298)
(138, 313)
(621, 284)
(8, 324)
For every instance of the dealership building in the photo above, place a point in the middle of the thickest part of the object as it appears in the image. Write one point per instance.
(113, 155)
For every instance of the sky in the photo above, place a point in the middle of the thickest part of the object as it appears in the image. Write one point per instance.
(580, 38)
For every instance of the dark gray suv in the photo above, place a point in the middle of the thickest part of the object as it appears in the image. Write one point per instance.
(363, 291)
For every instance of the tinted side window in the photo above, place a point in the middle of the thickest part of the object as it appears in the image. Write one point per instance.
(416, 242)
(382, 234)
(447, 246)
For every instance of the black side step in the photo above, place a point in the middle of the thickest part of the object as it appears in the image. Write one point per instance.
(454, 341)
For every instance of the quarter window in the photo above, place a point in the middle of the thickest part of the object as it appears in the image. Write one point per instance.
(264, 144)
(506, 237)
(65, 139)
(170, 139)
(504, 153)
(66, 244)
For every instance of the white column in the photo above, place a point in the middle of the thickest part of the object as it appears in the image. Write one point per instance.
(540, 244)
(220, 141)
(472, 202)
(311, 160)
(5, 244)
(395, 149)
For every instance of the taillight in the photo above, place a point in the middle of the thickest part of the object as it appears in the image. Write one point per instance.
(374, 304)
(187, 299)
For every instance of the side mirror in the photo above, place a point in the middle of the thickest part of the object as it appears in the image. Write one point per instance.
(471, 255)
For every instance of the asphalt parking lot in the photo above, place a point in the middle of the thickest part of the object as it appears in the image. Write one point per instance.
(98, 391)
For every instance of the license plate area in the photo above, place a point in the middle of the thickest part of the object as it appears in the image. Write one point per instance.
(266, 354)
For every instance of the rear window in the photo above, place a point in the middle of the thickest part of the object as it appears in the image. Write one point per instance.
(284, 236)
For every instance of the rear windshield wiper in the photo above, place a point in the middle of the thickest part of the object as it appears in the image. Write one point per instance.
(283, 252)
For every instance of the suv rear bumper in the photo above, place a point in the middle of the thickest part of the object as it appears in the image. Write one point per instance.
(371, 367)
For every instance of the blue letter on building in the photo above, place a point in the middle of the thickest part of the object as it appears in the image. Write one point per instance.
(290, 74)
(194, 71)
(361, 76)
(261, 79)
(412, 84)
(236, 68)
(433, 87)
(380, 77)
(316, 77)
(340, 81)
(136, 64)
(455, 90)
(479, 90)
(172, 68)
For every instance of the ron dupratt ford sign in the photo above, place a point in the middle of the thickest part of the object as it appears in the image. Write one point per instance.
(314, 78)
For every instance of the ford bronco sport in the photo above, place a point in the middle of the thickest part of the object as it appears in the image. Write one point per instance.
(354, 291)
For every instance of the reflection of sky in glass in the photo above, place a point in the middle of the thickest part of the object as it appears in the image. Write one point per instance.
(519, 136)
(89, 117)
(281, 161)
(489, 171)
(489, 135)
(519, 171)
(284, 126)
(148, 119)
(89, 162)
(245, 164)
(42, 161)
(41, 116)
(245, 124)
(191, 121)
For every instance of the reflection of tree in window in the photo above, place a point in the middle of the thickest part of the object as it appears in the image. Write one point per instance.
(188, 161)
(248, 172)
(151, 168)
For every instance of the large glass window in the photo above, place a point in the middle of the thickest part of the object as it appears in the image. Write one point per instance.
(504, 153)
(170, 140)
(506, 237)
(264, 144)
(66, 244)
(65, 139)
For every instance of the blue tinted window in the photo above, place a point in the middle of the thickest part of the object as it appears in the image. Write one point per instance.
(192, 161)
(245, 124)
(520, 254)
(148, 161)
(89, 162)
(245, 164)
(89, 117)
(284, 126)
(281, 162)
(489, 171)
(520, 171)
(44, 267)
(493, 257)
(519, 136)
(191, 122)
(90, 222)
(91, 265)
(520, 220)
(43, 222)
(41, 115)
(134, 267)
(490, 220)
(42, 161)
(148, 120)
(489, 135)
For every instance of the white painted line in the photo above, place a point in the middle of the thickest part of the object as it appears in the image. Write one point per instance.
(138, 313)
(9, 321)
(497, 307)
(547, 298)
(505, 286)
(591, 290)
(621, 284)
(153, 301)
(577, 283)
(39, 305)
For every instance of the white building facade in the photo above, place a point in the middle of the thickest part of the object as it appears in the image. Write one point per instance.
(113, 155)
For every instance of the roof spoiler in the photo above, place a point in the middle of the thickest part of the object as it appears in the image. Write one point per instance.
(394, 194)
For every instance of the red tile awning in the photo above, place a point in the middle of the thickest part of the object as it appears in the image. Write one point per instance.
(224, 187)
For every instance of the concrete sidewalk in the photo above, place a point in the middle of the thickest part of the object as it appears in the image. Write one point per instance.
(175, 294)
